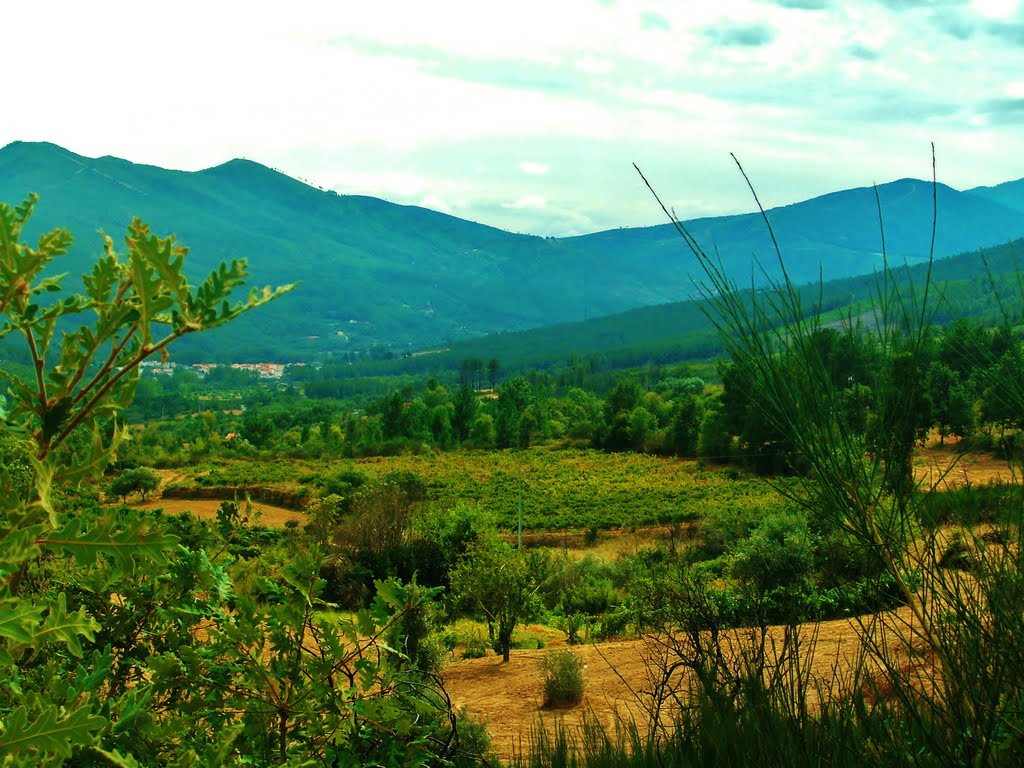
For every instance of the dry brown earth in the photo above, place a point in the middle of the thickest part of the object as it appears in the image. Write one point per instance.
(206, 509)
(509, 697)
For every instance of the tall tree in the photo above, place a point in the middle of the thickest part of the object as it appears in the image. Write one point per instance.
(464, 412)
(493, 368)
(514, 397)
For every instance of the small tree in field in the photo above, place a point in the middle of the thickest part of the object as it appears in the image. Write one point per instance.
(140, 480)
(495, 579)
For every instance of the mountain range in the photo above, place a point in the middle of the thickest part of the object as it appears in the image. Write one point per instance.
(377, 274)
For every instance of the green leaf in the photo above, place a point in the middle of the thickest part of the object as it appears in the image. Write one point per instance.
(87, 544)
(18, 545)
(54, 733)
(63, 627)
(18, 619)
(116, 758)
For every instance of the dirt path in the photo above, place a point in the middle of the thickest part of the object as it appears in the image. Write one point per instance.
(509, 697)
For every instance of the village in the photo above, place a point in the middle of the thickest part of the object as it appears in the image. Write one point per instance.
(265, 370)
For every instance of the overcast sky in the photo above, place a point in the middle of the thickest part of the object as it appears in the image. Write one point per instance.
(527, 115)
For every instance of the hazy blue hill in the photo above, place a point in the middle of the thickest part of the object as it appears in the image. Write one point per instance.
(1009, 194)
(979, 285)
(838, 233)
(402, 277)
(405, 276)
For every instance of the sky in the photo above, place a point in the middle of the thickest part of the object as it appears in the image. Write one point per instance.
(529, 115)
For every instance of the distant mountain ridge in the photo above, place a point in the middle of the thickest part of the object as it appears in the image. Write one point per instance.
(379, 274)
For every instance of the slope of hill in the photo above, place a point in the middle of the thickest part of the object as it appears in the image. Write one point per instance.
(372, 272)
(838, 233)
(1009, 194)
(981, 285)
(378, 274)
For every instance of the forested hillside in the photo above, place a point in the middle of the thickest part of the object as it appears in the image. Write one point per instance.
(378, 275)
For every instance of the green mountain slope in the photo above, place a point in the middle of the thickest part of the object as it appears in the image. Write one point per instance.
(979, 285)
(838, 234)
(372, 272)
(1009, 194)
(378, 274)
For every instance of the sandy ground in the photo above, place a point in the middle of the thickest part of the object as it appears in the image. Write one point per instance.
(206, 509)
(944, 468)
(509, 697)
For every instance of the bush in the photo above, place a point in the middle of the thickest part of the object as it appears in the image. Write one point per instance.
(720, 528)
(563, 678)
(476, 648)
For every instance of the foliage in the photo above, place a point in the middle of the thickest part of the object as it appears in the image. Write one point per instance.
(139, 480)
(560, 488)
(562, 671)
(122, 639)
(497, 581)
(751, 695)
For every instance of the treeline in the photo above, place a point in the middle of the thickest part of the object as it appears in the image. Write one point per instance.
(958, 383)
(658, 410)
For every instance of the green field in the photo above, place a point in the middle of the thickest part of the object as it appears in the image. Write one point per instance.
(559, 488)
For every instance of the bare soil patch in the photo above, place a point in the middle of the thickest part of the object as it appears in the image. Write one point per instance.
(509, 696)
(943, 467)
(206, 509)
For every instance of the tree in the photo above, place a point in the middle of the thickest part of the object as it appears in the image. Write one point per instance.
(470, 371)
(481, 431)
(684, 429)
(441, 426)
(494, 579)
(465, 409)
(258, 429)
(392, 416)
(514, 396)
(961, 413)
(493, 369)
(963, 347)
(940, 382)
(142, 303)
(753, 414)
(904, 415)
(642, 424)
(140, 480)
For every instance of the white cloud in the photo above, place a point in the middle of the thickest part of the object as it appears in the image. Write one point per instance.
(527, 201)
(594, 65)
(532, 168)
(996, 9)
(437, 102)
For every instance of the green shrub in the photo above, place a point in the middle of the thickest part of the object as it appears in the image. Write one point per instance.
(779, 551)
(720, 527)
(563, 678)
(476, 648)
